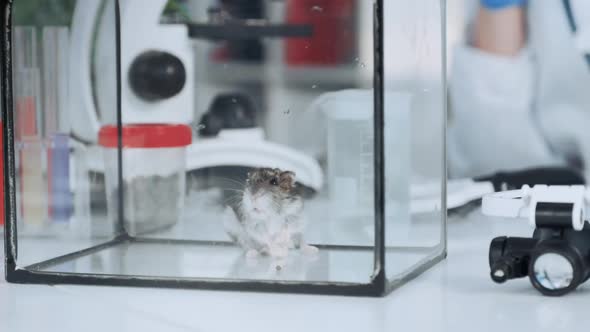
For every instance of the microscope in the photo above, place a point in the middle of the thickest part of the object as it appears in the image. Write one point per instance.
(158, 84)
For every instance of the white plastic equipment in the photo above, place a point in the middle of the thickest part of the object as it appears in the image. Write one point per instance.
(247, 147)
(523, 203)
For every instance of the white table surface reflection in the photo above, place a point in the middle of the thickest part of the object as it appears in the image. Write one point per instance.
(456, 295)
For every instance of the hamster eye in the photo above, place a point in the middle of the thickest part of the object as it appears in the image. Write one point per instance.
(274, 181)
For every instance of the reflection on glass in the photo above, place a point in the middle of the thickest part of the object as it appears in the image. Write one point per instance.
(553, 271)
(33, 208)
(53, 206)
(414, 103)
(55, 50)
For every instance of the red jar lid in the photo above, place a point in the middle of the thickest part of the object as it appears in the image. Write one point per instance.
(146, 136)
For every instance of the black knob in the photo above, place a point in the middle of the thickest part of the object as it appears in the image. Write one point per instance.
(501, 272)
(496, 251)
(228, 111)
(156, 75)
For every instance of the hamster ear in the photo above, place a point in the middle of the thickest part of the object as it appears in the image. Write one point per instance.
(287, 179)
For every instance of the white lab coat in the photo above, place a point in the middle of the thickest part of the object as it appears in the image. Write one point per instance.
(529, 110)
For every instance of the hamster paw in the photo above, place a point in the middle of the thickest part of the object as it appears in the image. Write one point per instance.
(252, 254)
(309, 250)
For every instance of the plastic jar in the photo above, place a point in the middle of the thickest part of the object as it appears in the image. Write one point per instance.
(153, 174)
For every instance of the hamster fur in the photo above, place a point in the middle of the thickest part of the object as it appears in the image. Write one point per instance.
(269, 217)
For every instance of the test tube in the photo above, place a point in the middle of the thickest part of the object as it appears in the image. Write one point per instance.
(56, 123)
(81, 224)
(28, 140)
(33, 193)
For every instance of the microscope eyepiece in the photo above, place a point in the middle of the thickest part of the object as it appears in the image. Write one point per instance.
(156, 75)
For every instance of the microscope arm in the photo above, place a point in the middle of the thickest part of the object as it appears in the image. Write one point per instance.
(84, 121)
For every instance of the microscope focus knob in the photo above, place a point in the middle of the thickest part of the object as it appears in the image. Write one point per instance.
(156, 75)
(229, 111)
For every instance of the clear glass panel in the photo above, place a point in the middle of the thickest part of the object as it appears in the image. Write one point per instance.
(254, 98)
(56, 191)
(261, 86)
(247, 139)
(414, 133)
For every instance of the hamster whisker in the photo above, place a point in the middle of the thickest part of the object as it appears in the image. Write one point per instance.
(233, 197)
(234, 181)
(232, 200)
(236, 190)
(235, 193)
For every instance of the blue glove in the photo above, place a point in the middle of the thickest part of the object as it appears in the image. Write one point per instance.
(501, 4)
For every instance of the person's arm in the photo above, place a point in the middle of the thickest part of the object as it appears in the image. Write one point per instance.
(492, 92)
(500, 27)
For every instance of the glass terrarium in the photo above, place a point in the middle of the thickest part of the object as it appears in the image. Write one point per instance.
(288, 146)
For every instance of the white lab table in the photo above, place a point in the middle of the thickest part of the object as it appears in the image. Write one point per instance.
(456, 295)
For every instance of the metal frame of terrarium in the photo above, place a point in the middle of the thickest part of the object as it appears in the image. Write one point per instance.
(378, 286)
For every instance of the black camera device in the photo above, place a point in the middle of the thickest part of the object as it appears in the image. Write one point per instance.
(556, 258)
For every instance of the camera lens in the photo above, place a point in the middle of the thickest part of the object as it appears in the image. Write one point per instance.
(553, 271)
(556, 268)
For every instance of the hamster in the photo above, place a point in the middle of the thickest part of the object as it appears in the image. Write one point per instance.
(268, 220)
